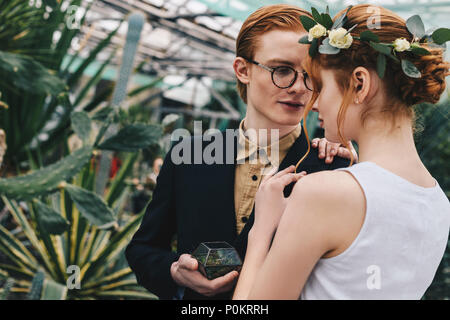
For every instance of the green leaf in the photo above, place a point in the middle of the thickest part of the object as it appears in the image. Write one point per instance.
(420, 51)
(45, 180)
(52, 290)
(326, 48)
(339, 22)
(368, 35)
(50, 220)
(441, 35)
(415, 26)
(381, 65)
(410, 69)
(133, 137)
(36, 286)
(91, 206)
(81, 124)
(304, 40)
(313, 47)
(25, 73)
(102, 114)
(327, 21)
(383, 48)
(307, 22)
(316, 15)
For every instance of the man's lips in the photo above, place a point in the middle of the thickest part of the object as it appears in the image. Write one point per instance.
(292, 104)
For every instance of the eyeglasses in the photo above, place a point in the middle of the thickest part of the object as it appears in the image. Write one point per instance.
(284, 76)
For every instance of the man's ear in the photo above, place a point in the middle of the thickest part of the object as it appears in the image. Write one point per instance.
(365, 84)
(241, 69)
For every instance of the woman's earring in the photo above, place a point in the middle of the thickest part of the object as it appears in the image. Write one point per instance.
(357, 101)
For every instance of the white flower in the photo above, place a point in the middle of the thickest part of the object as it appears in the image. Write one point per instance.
(401, 44)
(339, 38)
(316, 32)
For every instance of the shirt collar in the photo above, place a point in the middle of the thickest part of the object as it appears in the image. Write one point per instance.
(247, 147)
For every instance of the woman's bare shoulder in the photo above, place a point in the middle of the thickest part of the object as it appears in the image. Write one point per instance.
(328, 185)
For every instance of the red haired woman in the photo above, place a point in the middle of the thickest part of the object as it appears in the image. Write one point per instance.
(383, 226)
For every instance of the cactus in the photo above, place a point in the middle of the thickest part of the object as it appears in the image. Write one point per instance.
(7, 288)
(92, 207)
(46, 180)
(135, 24)
(36, 286)
(81, 124)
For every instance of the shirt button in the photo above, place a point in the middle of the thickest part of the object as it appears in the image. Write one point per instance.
(244, 219)
(254, 178)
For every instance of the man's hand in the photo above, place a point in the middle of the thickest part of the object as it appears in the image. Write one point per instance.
(185, 273)
(329, 150)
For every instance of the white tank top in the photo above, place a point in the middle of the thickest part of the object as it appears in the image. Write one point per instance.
(399, 247)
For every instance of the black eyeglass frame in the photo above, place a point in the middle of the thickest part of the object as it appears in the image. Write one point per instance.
(272, 71)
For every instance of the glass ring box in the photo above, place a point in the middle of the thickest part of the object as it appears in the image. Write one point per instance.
(216, 259)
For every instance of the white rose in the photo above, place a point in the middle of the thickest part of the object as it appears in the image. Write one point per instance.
(401, 44)
(316, 32)
(339, 38)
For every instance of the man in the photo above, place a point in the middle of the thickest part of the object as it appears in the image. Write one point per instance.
(215, 202)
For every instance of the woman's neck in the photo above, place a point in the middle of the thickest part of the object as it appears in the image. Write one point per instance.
(393, 148)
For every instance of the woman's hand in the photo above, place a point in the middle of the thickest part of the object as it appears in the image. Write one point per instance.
(270, 201)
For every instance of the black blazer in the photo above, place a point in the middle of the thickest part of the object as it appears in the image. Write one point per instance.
(196, 202)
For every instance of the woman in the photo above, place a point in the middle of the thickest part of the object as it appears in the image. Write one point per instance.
(382, 229)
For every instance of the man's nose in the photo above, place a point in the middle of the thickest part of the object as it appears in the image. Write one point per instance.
(298, 86)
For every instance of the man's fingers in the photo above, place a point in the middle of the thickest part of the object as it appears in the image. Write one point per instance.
(224, 281)
(322, 148)
(187, 262)
(315, 142)
(329, 153)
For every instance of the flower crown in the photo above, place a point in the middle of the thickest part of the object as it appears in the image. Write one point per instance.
(338, 38)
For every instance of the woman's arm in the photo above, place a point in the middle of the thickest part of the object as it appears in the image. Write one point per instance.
(312, 225)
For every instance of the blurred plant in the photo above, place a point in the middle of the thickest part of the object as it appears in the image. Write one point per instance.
(33, 84)
(433, 144)
(64, 226)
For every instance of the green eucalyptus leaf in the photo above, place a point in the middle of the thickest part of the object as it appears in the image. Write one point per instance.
(50, 221)
(410, 69)
(91, 206)
(441, 35)
(304, 40)
(420, 51)
(327, 22)
(316, 15)
(383, 48)
(381, 65)
(339, 22)
(415, 26)
(326, 48)
(81, 124)
(133, 137)
(313, 47)
(368, 35)
(307, 22)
